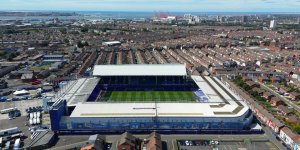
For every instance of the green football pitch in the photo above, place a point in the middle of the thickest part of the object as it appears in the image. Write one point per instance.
(149, 96)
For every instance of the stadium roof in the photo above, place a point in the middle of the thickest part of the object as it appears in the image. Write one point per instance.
(222, 102)
(91, 109)
(78, 91)
(140, 70)
(215, 90)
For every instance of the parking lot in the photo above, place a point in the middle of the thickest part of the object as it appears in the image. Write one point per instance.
(21, 105)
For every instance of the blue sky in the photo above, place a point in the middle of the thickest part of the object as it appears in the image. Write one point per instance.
(155, 5)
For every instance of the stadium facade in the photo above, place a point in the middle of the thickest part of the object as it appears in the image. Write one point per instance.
(81, 108)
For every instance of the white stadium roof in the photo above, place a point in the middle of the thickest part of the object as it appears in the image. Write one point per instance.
(98, 109)
(140, 70)
(221, 103)
(77, 91)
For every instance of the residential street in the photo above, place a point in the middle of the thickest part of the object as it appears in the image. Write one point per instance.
(287, 101)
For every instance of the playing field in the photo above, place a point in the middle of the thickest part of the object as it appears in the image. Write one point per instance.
(149, 96)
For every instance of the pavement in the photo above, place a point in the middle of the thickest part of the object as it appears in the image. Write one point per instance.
(273, 139)
(22, 105)
(18, 122)
(287, 101)
(68, 142)
(230, 140)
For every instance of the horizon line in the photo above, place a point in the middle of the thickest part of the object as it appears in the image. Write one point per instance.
(148, 11)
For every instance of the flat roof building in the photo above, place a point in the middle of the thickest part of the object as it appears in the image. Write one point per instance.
(111, 43)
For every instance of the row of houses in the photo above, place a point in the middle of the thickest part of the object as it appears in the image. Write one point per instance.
(28, 76)
(290, 116)
(275, 80)
(281, 89)
(130, 142)
(290, 138)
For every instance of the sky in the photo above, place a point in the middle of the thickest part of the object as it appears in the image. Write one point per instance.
(291, 6)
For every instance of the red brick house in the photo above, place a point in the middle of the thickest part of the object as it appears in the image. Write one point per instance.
(263, 79)
(259, 91)
(153, 142)
(276, 102)
(283, 90)
(246, 78)
(128, 142)
(284, 110)
(293, 119)
(295, 96)
(275, 124)
(275, 79)
(268, 95)
(253, 84)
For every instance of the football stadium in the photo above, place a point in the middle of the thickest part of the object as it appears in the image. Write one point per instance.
(147, 97)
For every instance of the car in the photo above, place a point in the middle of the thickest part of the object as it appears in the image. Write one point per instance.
(187, 143)
(17, 113)
(278, 138)
(11, 115)
(46, 83)
(36, 82)
(40, 108)
(30, 109)
(44, 127)
(15, 99)
(2, 99)
(34, 109)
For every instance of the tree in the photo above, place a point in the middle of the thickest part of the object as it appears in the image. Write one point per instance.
(66, 41)
(81, 44)
(296, 128)
(63, 30)
(3, 52)
(84, 29)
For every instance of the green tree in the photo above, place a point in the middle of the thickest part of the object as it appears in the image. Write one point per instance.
(66, 41)
(63, 30)
(84, 29)
(296, 128)
(81, 44)
(3, 52)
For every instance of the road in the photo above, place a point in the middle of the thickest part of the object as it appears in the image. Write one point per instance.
(273, 139)
(170, 139)
(268, 131)
(287, 101)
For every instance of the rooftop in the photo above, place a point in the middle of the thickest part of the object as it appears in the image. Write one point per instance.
(221, 102)
(89, 109)
(78, 91)
(140, 70)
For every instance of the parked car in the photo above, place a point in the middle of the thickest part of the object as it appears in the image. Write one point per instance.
(36, 82)
(3, 99)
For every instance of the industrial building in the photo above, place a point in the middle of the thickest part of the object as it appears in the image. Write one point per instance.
(111, 43)
(212, 107)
